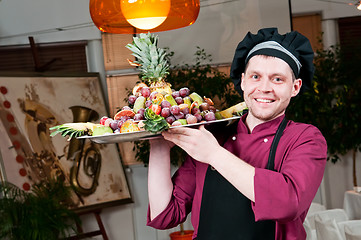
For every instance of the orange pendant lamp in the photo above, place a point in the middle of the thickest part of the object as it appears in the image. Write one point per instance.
(142, 16)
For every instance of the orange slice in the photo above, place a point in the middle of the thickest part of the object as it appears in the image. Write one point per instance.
(124, 112)
(129, 126)
(138, 87)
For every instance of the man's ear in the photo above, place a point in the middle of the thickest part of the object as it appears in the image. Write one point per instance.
(242, 78)
(297, 84)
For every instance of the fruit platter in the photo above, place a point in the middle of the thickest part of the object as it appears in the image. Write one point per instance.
(153, 106)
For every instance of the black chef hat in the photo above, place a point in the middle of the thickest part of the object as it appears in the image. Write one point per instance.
(293, 48)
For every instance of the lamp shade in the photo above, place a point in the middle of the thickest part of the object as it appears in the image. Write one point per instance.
(129, 16)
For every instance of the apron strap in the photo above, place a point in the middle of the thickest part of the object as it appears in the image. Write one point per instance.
(272, 152)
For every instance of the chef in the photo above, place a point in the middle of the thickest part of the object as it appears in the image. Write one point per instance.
(256, 178)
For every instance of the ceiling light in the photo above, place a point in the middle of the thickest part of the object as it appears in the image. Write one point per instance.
(137, 16)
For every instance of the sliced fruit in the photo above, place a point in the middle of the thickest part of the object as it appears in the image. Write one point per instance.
(187, 100)
(74, 129)
(182, 121)
(194, 105)
(209, 101)
(196, 98)
(129, 126)
(139, 103)
(157, 98)
(183, 106)
(101, 130)
(170, 99)
(137, 88)
(124, 112)
(231, 111)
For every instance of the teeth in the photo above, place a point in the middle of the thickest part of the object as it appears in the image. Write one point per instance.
(263, 100)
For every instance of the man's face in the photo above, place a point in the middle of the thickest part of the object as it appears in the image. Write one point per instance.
(268, 86)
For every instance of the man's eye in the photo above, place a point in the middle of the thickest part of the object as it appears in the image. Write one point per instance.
(277, 79)
(254, 76)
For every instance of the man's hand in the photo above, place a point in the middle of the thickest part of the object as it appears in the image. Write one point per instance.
(200, 144)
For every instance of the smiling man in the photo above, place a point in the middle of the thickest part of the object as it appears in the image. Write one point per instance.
(257, 178)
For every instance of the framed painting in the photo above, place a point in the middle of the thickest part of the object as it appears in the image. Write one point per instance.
(30, 105)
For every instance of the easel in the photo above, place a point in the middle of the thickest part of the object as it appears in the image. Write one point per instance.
(101, 230)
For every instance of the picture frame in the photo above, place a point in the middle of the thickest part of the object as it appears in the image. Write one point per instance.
(33, 103)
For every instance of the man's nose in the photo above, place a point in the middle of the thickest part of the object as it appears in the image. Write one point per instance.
(265, 85)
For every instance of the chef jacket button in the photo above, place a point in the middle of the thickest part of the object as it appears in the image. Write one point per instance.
(212, 168)
(234, 138)
(265, 140)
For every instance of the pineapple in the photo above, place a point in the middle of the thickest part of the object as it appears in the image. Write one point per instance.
(151, 61)
(79, 129)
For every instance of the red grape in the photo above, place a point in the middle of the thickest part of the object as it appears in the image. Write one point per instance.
(210, 116)
(165, 104)
(195, 111)
(183, 92)
(132, 99)
(113, 124)
(165, 112)
(175, 94)
(191, 119)
(138, 117)
(141, 111)
(148, 103)
(198, 116)
(170, 119)
(179, 115)
(145, 91)
(179, 100)
(175, 109)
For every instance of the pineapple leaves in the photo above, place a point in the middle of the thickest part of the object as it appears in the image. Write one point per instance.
(154, 65)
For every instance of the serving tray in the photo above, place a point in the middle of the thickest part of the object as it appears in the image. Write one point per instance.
(145, 135)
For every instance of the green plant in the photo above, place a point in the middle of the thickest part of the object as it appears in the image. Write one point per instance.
(333, 102)
(41, 214)
(206, 80)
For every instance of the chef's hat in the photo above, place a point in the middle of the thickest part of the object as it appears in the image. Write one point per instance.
(294, 48)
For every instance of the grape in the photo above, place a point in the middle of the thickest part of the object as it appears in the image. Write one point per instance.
(195, 111)
(183, 92)
(138, 117)
(107, 122)
(185, 111)
(165, 112)
(165, 104)
(179, 100)
(175, 94)
(175, 109)
(179, 116)
(191, 119)
(113, 124)
(148, 103)
(126, 108)
(132, 99)
(204, 107)
(145, 91)
(212, 108)
(198, 116)
(176, 123)
(210, 116)
(170, 119)
(141, 111)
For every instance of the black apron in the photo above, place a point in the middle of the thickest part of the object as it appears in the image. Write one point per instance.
(226, 214)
